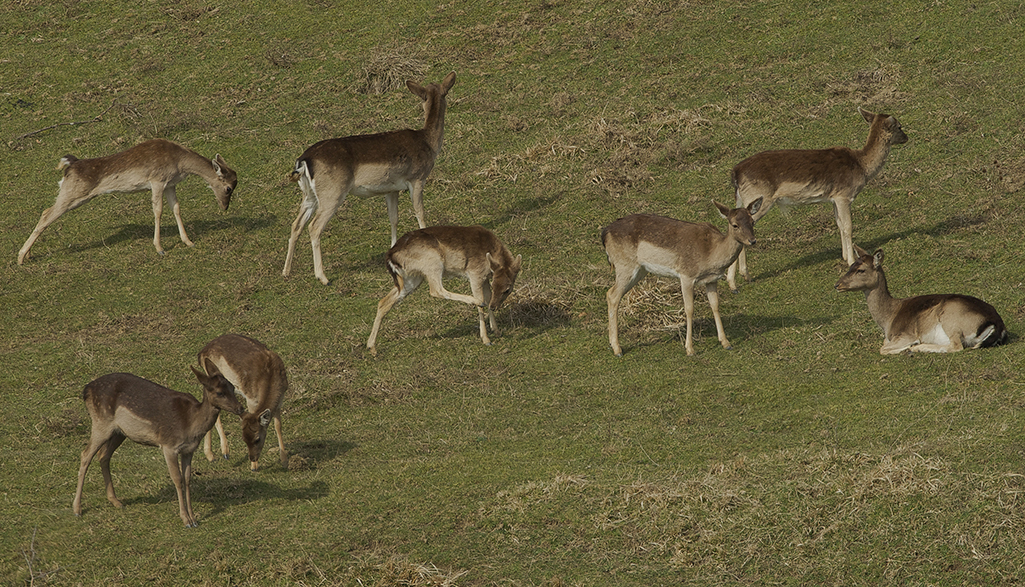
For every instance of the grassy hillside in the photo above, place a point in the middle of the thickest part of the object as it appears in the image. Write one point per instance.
(801, 456)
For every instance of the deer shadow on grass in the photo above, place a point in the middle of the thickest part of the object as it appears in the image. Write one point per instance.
(170, 239)
(224, 492)
(739, 328)
(948, 226)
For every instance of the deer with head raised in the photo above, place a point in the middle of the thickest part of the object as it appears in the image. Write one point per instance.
(696, 254)
(433, 253)
(157, 165)
(937, 323)
(383, 164)
(123, 406)
(793, 177)
(258, 373)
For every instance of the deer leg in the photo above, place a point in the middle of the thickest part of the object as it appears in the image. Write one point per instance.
(712, 292)
(688, 308)
(482, 292)
(624, 283)
(51, 214)
(108, 451)
(317, 226)
(416, 193)
(281, 442)
(392, 200)
(842, 210)
(208, 441)
(437, 289)
(739, 263)
(403, 287)
(307, 208)
(158, 210)
(172, 201)
(87, 457)
(175, 471)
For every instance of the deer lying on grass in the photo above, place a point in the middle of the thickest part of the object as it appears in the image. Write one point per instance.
(938, 323)
(125, 406)
(473, 252)
(789, 178)
(368, 165)
(696, 254)
(258, 373)
(157, 165)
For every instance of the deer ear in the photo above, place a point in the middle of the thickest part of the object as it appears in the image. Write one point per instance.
(199, 374)
(877, 259)
(449, 81)
(868, 116)
(217, 161)
(265, 418)
(723, 210)
(860, 251)
(417, 89)
(755, 206)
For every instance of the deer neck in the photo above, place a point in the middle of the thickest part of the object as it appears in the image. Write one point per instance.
(197, 164)
(881, 305)
(434, 123)
(874, 153)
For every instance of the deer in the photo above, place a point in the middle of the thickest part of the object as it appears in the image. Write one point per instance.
(694, 253)
(369, 165)
(433, 253)
(793, 177)
(157, 165)
(122, 405)
(258, 373)
(936, 323)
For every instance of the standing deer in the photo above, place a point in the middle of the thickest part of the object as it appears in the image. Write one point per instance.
(938, 323)
(433, 253)
(696, 254)
(157, 165)
(368, 165)
(125, 406)
(790, 178)
(258, 373)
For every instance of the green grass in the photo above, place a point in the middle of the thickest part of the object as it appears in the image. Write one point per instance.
(799, 457)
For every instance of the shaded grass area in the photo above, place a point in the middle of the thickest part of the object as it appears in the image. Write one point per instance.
(799, 457)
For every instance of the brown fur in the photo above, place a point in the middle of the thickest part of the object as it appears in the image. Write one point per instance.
(385, 164)
(433, 253)
(259, 374)
(794, 177)
(157, 165)
(123, 406)
(937, 323)
(696, 254)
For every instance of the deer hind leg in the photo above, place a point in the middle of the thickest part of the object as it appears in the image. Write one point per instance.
(307, 208)
(63, 204)
(320, 219)
(403, 287)
(108, 451)
(416, 194)
(625, 280)
(96, 444)
(172, 201)
(712, 292)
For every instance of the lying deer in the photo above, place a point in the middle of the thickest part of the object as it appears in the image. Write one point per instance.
(696, 254)
(368, 165)
(789, 178)
(938, 323)
(473, 252)
(157, 165)
(125, 406)
(258, 373)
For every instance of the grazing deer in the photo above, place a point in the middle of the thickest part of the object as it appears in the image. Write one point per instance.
(789, 178)
(938, 323)
(157, 165)
(125, 406)
(368, 165)
(258, 373)
(694, 253)
(473, 252)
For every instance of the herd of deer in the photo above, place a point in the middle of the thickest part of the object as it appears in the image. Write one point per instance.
(386, 164)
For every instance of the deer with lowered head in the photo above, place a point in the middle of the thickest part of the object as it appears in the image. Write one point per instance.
(383, 164)
(433, 253)
(123, 406)
(258, 373)
(157, 165)
(793, 177)
(937, 323)
(696, 254)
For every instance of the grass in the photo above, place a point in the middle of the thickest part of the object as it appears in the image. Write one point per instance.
(799, 457)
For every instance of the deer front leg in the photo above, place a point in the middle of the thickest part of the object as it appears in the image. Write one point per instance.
(842, 209)
(392, 200)
(175, 471)
(416, 194)
(481, 292)
(712, 292)
(688, 308)
(208, 441)
(172, 201)
(158, 210)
